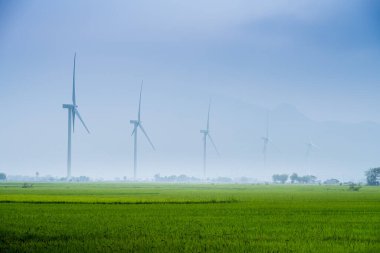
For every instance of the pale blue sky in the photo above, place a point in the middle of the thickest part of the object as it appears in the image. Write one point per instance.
(320, 56)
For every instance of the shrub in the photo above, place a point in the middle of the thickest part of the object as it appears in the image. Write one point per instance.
(354, 187)
(26, 185)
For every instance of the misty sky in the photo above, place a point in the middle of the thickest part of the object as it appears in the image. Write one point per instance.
(319, 58)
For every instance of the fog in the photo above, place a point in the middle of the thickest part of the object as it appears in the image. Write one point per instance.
(310, 67)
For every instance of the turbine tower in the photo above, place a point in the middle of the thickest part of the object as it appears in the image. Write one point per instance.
(72, 112)
(266, 142)
(136, 125)
(310, 146)
(206, 133)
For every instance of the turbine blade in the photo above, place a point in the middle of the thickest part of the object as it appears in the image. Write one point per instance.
(134, 130)
(308, 151)
(208, 115)
(81, 120)
(311, 145)
(139, 112)
(267, 126)
(146, 135)
(273, 145)
(315, 146)
(213, 144)
(73, 95)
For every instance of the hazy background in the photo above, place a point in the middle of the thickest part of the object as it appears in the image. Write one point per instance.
(313, 64)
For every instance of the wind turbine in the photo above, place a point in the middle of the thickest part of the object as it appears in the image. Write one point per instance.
(206, 133)
(72, 112)
(136, 125)
(266, 142)
(309, 148)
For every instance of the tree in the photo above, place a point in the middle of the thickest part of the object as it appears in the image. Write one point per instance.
(293, 178)
(373, 176)
(331, 181)
(83, 179)
(182, 178)
(280, 178)
(283, 178)
(3, 176)
(223, 180)
(308, 179)
(354, 187)
(157, 178)
(311, 179)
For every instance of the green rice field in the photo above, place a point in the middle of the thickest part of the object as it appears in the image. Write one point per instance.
(131, 217)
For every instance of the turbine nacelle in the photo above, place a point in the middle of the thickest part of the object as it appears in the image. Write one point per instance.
(311, 145)
(204, 131)
(136, 122)
(68, 106)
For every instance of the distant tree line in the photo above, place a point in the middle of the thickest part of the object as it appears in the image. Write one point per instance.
(307, 179)
(80, 179)
(294, 178)
(280, 178)
(174, 178)
(187, 179)
(331, 181)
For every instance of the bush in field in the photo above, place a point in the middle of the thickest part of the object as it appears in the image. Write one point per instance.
(354, 187)
(26, 185)
(373, 176)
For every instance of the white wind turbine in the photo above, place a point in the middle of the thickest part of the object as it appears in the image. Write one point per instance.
(266, 142)
(72, 112)
(310, 146)
(136, 125)
(206, 133)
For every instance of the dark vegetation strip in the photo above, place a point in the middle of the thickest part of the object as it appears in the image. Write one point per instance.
(213, 201)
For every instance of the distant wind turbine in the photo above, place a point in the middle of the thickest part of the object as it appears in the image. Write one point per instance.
(206, 133)
(266, 142)
(72, 112)
(310, 146)
(136, 125)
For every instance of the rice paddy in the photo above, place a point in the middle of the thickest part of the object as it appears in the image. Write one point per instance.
(105, 217)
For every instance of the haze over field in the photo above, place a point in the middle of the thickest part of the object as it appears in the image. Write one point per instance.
(314, 65)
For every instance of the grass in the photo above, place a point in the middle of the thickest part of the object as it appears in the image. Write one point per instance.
(188, 218)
